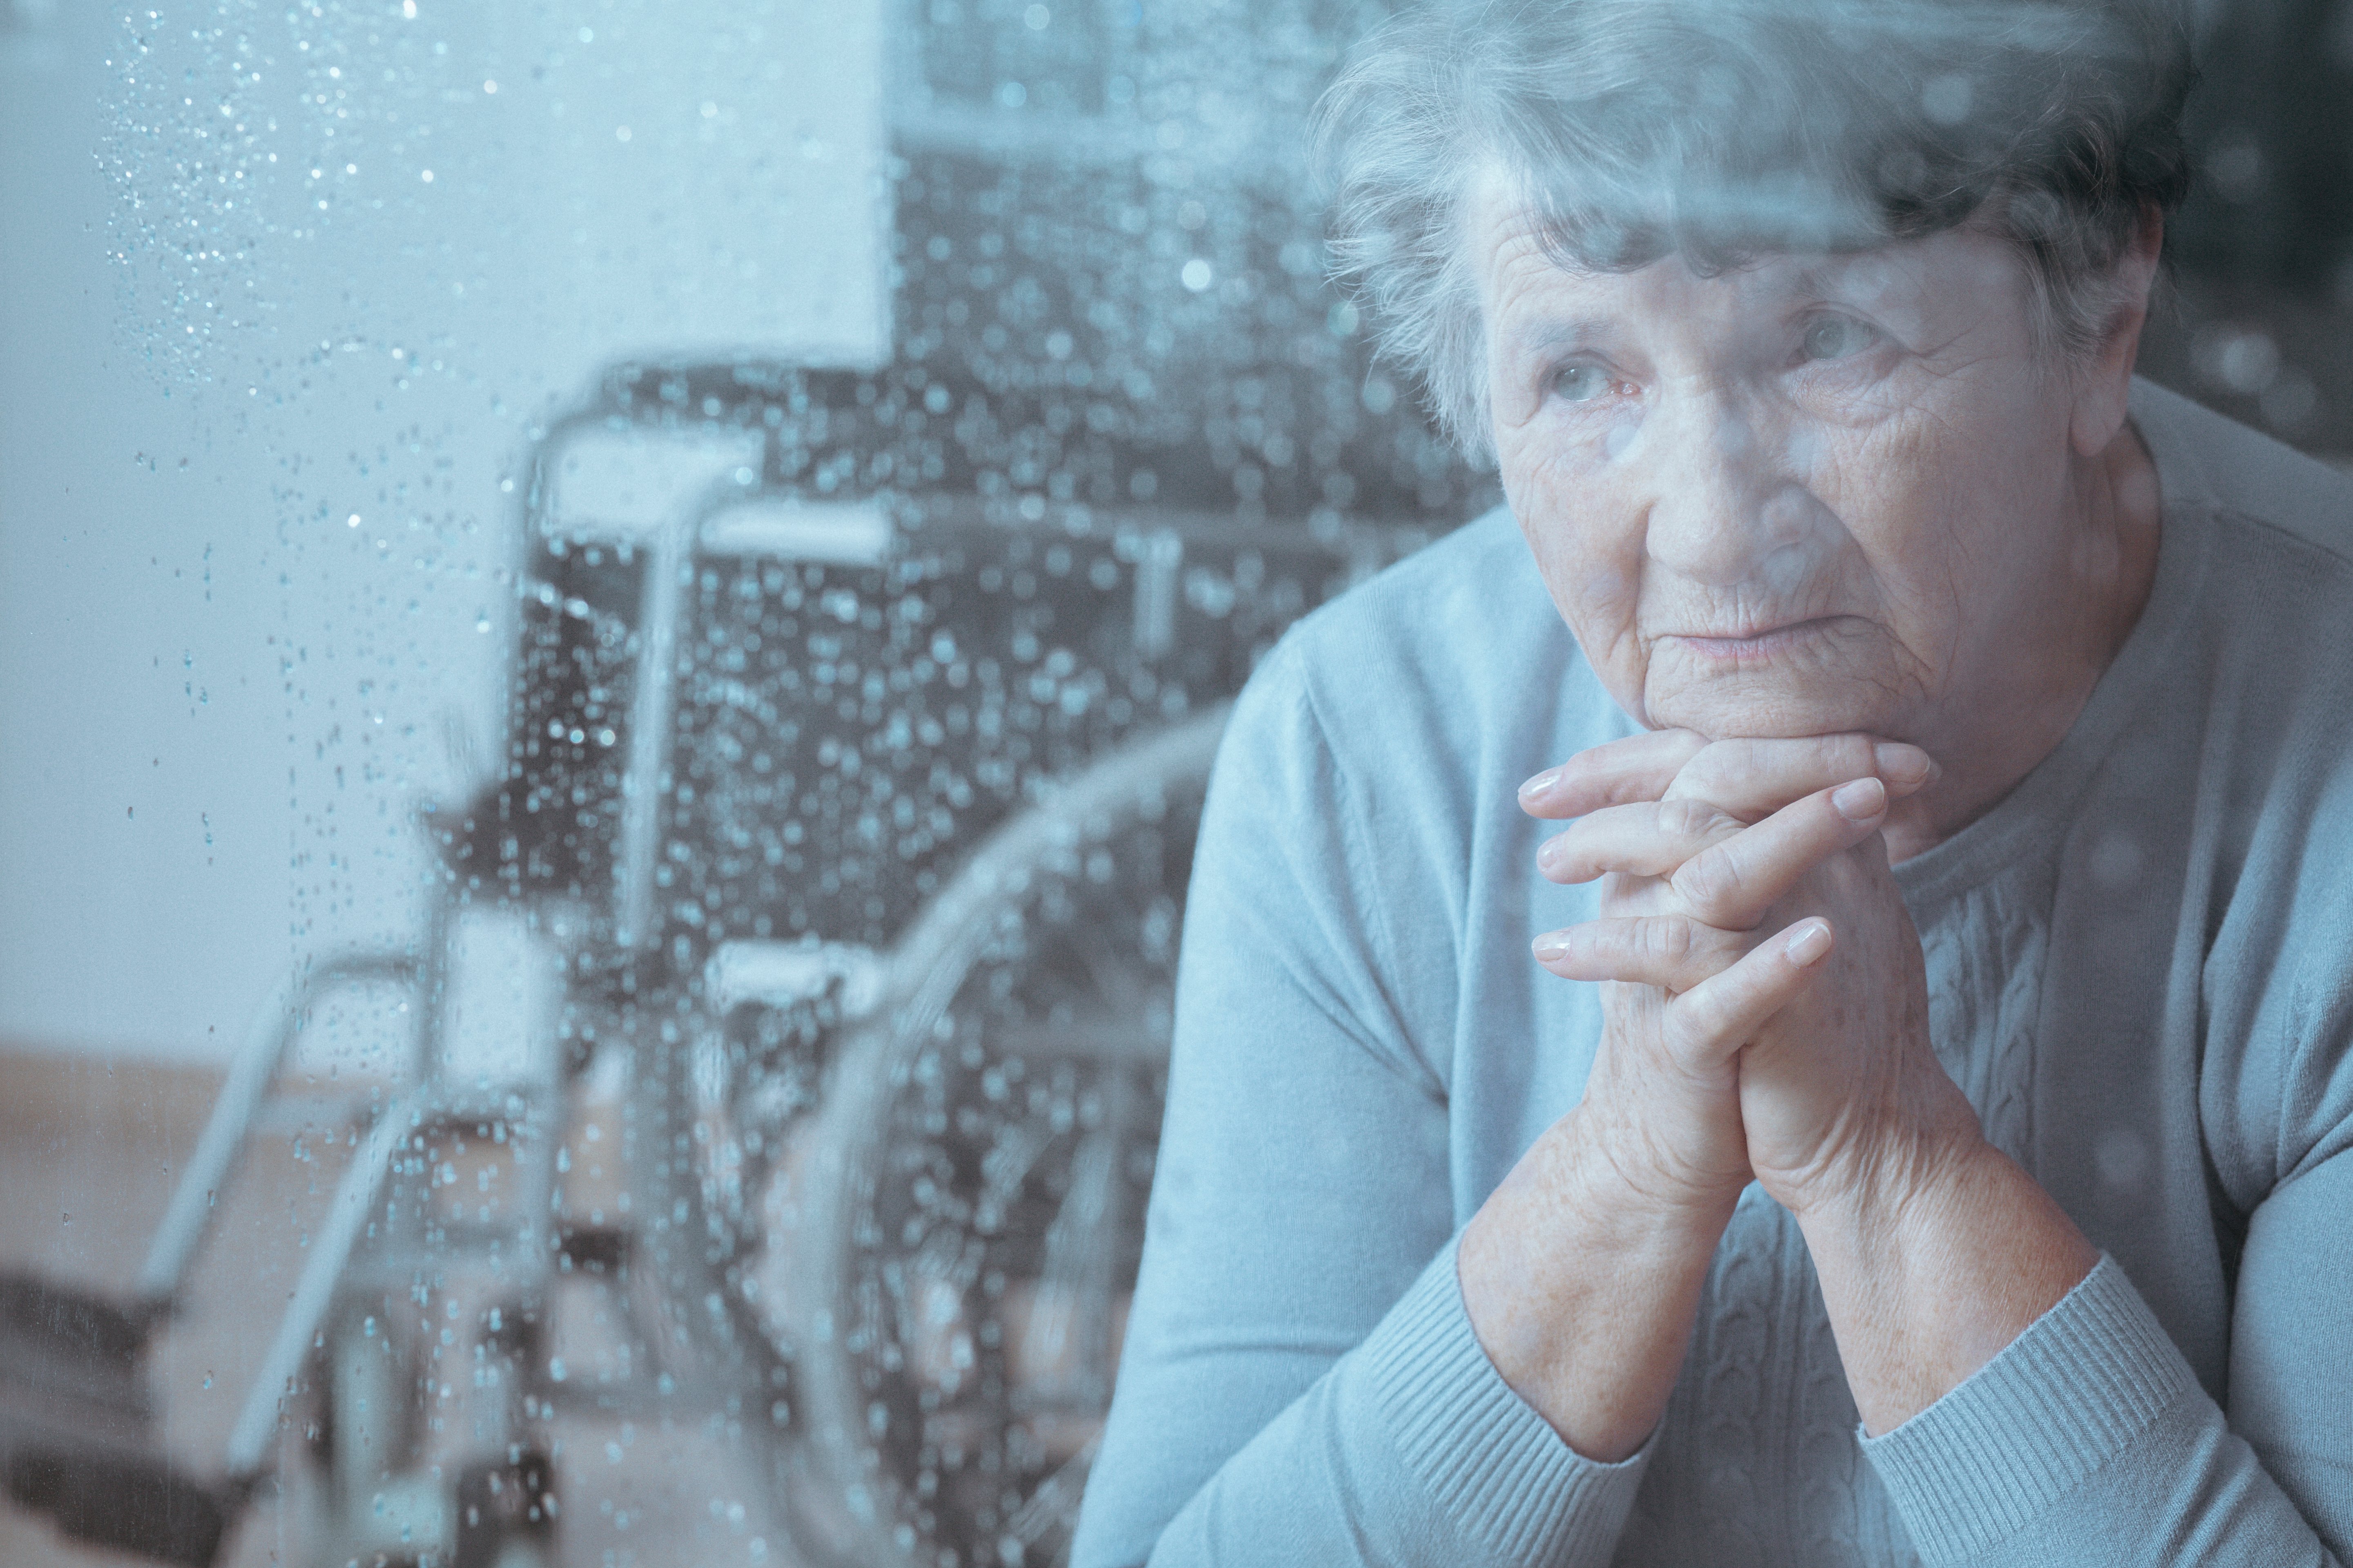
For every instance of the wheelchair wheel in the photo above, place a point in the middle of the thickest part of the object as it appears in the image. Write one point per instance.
(959, 1224)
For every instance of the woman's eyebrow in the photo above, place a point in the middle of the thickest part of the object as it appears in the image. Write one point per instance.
(1852, 281)
(1534, 339)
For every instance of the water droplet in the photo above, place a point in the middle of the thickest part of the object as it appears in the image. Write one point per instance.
(2123, 1157)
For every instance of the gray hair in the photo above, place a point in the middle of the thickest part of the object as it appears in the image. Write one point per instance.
(1723, 129)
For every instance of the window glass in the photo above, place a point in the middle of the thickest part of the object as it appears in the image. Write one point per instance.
(613, 620)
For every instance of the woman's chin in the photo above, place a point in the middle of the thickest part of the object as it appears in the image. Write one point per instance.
(1772, 705)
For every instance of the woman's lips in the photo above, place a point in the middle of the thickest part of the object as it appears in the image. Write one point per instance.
(1753, 648)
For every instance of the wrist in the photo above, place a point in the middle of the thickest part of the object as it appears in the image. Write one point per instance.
(1933, 1266)
(1909, 1163)
(1617, 1174)
(1888, 1190)
(1580, 1285)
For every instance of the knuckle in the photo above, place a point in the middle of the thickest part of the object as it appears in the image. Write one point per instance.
(1686, 744)
(1711, 882)
(1688, 816)
(1848, 756)
(1580, 771)
(1702, 1020)
(1698, 774)
(1563, 858)
(1742, 758)
(1665, 940)
(1622, 893)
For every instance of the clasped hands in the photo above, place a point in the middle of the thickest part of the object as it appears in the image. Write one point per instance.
(1764, 1015)
(1764, 998)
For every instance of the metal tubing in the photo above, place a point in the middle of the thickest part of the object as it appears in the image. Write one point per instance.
(641, 787)
(429, 974)
(331, 1250)
(249, 1078)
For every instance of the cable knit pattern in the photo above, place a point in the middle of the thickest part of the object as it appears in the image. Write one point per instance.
(1761, 1463)
(1986, 948)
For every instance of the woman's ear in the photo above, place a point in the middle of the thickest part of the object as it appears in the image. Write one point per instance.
(2104, 381)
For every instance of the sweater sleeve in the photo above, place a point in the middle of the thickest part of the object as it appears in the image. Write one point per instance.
(1300, 1383)
(2089, 1441)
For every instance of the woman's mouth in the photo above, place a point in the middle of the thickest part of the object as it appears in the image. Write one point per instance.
(1753, 648)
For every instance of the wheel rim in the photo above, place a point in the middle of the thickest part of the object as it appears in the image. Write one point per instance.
(952, 1238)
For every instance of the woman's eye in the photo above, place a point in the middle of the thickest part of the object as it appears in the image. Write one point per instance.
(1836, 337)
(1580, 383)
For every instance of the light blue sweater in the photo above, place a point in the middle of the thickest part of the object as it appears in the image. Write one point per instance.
(2141, 972)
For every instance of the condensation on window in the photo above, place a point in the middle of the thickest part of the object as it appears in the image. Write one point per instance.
(728, 535)
(628, 604)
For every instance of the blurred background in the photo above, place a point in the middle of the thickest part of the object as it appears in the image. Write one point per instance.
(368, 374)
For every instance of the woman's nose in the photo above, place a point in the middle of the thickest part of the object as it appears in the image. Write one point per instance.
(1726, 507)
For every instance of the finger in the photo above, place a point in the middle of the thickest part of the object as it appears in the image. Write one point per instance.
(1647, 838)
(1753, 778)
(1638, 767)
(1723, 1011)
(1732, 884)
(1673, 952)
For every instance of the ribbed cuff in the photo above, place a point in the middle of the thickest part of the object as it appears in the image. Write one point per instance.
(1497, 1469)
(2065, 1397)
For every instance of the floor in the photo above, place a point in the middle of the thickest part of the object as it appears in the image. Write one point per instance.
(88, 1154)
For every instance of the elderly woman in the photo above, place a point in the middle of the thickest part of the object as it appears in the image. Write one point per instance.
(1941, 988)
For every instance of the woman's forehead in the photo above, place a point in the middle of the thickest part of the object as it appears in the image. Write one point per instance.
(1546, 298)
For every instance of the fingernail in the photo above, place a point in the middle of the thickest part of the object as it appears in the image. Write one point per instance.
(1807, 943)
(1551, 946)
(1541, 783)
(1903, 765)
(1547, 854)
(1859, 801)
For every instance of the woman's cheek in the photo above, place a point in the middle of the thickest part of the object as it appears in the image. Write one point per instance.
(1910, 495)
(1545, 467)
(1601, 605)
(1591, 568)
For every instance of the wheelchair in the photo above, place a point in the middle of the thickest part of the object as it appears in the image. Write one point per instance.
(789, 1034)
(902, 914)
(845, 828)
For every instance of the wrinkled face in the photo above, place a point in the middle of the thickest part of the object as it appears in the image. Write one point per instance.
(1813, 494)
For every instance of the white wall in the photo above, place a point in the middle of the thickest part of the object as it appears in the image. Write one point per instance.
(220, 700)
